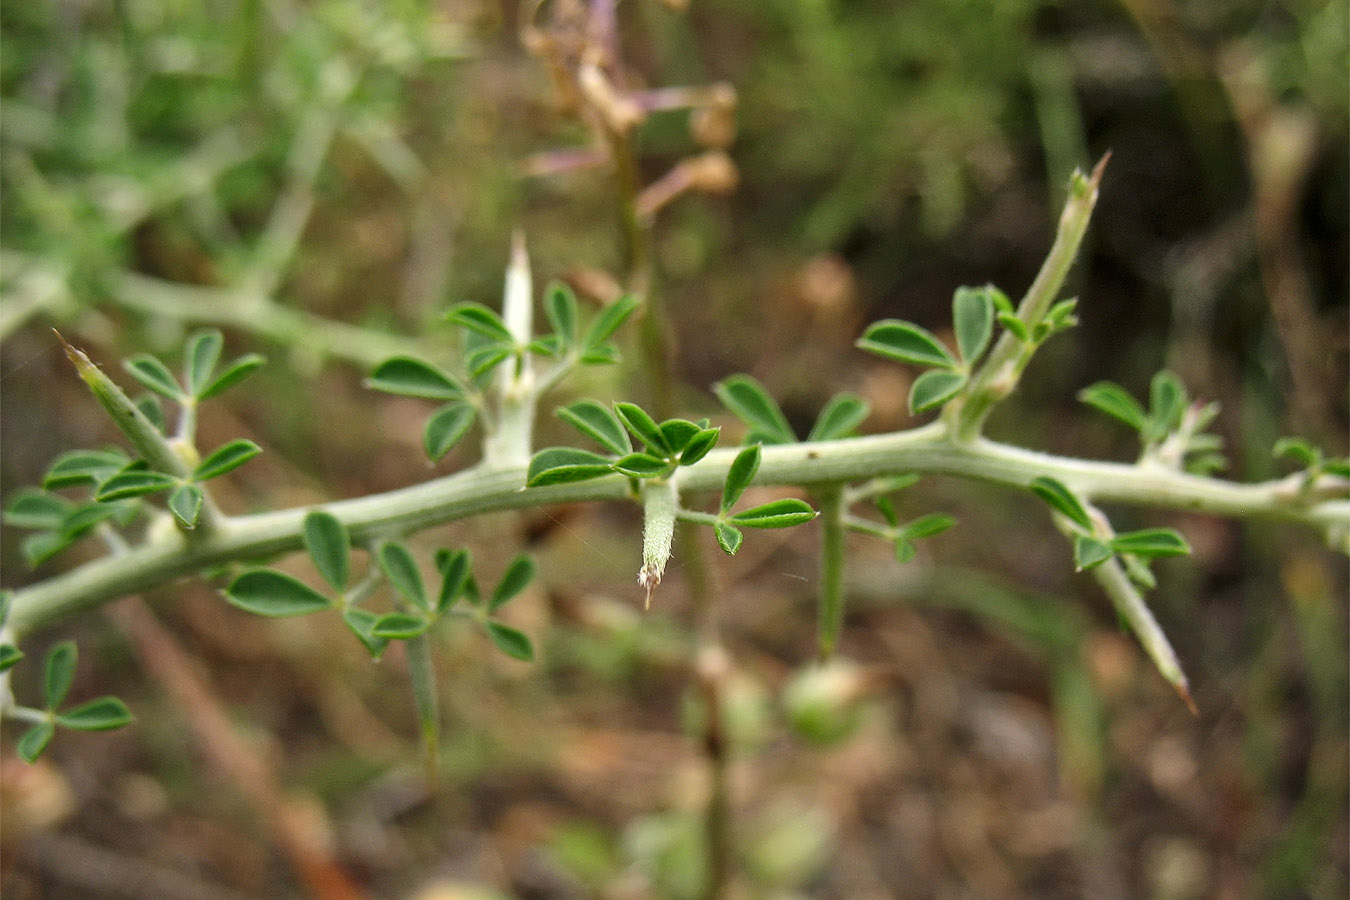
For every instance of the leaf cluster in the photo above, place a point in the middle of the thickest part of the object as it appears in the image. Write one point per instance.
(661, 447)
(58, 674)
(782, 513)
(974, 314)
(748, 401)
(112, 483)
(1093, 544)
(1172, 430)
(275, 594)
(488, 343)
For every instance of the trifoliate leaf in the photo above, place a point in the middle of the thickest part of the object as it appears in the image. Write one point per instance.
(1014, 326)
(82, 519)
(678, 433)
(9, 655)
(454, 567)
(399, 626)
(485, 357)
(134, 483)
(31, 508)
(642, 465)
(1300, 451)
(606, 354)
(699, 446)
(35, 740)
(929, 525)
(83, 467)
(361, 622)
(560, 305)
(1167, 404)
(607, 322)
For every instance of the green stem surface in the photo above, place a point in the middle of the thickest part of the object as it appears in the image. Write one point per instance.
(477, 490)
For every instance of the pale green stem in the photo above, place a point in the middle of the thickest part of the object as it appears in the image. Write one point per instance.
(423, 674)
(158, 451)
(257, 313)
(1001, 370)
(27, 714)
(1131, 606)
(660, 503)
(477, 490)
(286, 224)
(831, 610)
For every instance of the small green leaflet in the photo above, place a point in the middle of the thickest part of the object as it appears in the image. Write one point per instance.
(906, 342)
(596, 420)
(267, 592)
(560, 465)
(445, 428)
(510, 641)
(410, 377)
(153, 374)
(934, 388)
(777, 514)
(840, 417)
(644, 428)
(1062, 500)
(1116, 402)
(739, 476)
(728, 537)
(225, 458)
(329, 546)
(748, 401)
(973, 322)
(518, 575)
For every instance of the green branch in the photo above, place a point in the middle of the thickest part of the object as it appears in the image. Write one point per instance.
(478, 490)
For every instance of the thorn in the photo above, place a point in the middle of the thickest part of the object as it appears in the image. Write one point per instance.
(1099, 169)
(649, 578)
(1184, 691)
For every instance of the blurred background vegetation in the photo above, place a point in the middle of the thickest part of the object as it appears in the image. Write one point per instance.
(276, 167)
